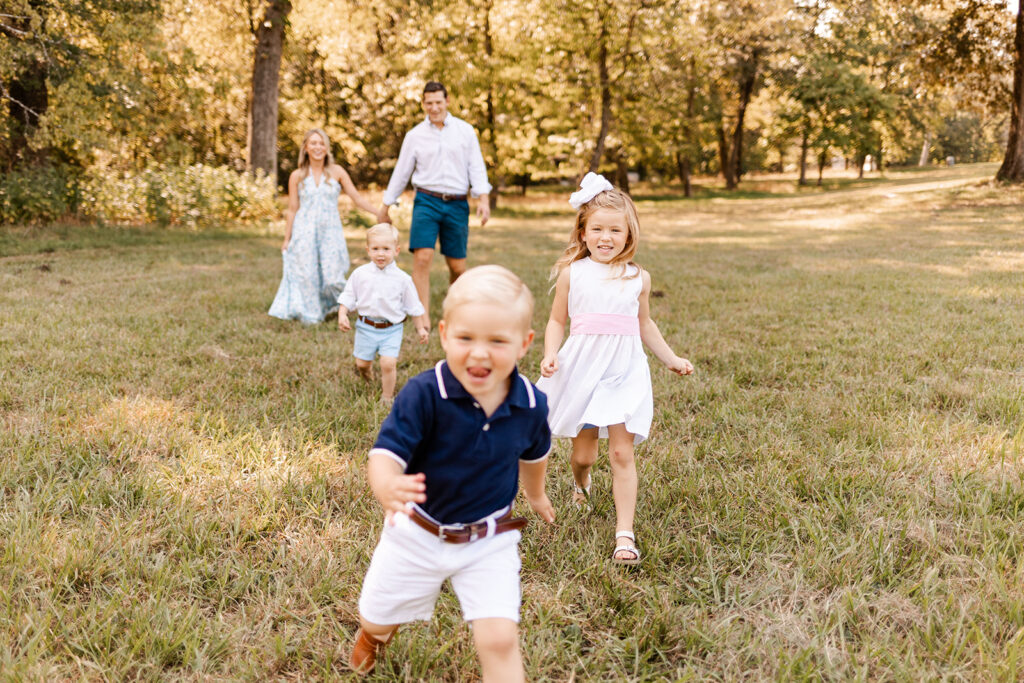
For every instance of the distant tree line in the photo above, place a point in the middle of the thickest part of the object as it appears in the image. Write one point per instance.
(664, 88)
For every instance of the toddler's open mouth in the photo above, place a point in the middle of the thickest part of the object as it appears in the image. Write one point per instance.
(478, 372)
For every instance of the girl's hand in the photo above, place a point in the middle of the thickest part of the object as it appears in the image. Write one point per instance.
(402, 489)
(680, 366)
(549, 366)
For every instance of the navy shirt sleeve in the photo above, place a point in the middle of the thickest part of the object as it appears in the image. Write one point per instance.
(540, 443)
(410, 421)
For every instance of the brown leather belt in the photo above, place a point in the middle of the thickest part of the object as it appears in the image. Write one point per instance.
(465, 533)
(379, 324)
(442, 195)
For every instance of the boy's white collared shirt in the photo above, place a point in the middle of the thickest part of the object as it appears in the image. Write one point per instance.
(385, 293)
(446, 159)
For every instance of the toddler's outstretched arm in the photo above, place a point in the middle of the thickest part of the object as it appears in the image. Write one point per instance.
(391, 486)
(531, 473)
(651, 335)
(555, 329)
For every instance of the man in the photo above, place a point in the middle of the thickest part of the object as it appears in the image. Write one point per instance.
(442, 156)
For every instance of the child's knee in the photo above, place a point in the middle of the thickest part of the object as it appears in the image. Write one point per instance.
(621, 455)
(496, 637)
(388, 363)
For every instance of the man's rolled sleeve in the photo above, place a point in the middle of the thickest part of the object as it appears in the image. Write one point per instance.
(477, 169)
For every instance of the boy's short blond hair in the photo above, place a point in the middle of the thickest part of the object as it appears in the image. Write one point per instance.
(492, 285)
(382, 230)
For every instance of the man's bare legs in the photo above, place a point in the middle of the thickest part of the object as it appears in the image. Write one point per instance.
(421, 260)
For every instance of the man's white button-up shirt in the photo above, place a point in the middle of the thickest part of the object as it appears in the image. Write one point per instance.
(446, 159)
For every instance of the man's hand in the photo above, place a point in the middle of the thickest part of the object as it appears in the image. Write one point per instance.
(483, 208)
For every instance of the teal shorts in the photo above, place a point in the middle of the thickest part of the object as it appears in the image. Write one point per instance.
(433, 218)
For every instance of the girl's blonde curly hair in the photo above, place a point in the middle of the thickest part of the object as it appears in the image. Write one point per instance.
(614, 199)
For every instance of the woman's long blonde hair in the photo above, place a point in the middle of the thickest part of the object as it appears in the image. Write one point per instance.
(304, 158)
(577, 248)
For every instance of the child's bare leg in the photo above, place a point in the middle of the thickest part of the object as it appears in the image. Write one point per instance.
(365, 369)
(620, 454)
(584, 455)
(497, 646)
(388, 376)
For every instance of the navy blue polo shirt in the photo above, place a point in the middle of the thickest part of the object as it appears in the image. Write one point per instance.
(471, 461)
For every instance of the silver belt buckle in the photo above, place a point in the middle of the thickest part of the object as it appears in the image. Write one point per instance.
(442, 528)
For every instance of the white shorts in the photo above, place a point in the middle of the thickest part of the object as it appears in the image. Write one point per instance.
(410, 564)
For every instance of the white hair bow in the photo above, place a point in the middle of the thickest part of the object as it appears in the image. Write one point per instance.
(592, 185)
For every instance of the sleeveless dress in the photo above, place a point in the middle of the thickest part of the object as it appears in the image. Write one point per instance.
(316, 260)
(603, 377)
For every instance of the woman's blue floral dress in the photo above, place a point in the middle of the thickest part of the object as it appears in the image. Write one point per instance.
(316, 260)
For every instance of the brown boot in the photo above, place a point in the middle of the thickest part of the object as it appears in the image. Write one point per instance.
(365, 651)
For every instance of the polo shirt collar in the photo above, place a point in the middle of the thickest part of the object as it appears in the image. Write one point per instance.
(519, 394)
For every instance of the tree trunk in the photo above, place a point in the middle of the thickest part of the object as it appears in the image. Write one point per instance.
(804, 139)
(28, 97)
(821, 164)
(621, 170)
(1012, 169)
(683, 169)
(606, 100)
(926, 149)
(492, 128)
(266, 69)
(748, 79)
(725, 158)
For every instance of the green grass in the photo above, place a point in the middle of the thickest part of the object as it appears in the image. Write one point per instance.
(837, 493)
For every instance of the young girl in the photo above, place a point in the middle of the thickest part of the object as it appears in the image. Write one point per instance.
(314, 250)
(599, 384)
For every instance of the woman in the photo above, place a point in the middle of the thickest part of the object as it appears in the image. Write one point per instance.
(314, 250)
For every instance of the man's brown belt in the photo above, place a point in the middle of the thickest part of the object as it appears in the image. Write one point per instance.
(442, 195)
(464, 533)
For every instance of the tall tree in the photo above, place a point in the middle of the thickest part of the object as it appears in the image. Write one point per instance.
(1012, 168)
(266, 71)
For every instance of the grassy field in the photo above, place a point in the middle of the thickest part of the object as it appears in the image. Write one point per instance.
(837, 493)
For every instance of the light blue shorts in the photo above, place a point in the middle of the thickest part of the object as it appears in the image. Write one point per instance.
(371, 341)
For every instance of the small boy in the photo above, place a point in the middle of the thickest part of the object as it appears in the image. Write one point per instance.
(446, 466)
(383, 295)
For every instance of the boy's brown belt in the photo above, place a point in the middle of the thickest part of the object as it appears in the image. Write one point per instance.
(379, 324)
(464, 533)
(442, 195)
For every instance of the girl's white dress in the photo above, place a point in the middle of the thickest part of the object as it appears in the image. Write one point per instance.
(602, 379)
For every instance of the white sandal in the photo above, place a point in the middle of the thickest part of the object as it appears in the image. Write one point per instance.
(628, 561)
(581, 495)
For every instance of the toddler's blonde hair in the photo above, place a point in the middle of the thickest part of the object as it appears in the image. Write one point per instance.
(494, 286)
(383, 230)
(614, 199)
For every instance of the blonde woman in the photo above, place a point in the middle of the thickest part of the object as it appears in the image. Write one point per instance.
(314, 250)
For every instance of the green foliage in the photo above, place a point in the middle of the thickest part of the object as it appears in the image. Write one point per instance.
(195, 195)
(38, 194)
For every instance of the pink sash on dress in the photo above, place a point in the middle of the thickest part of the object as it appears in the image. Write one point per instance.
(605, 323)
